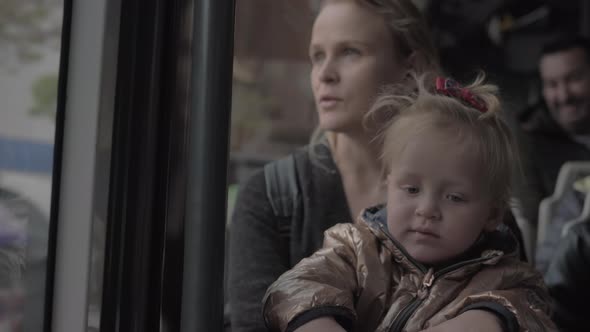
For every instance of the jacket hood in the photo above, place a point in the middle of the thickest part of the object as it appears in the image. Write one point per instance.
(375, 216)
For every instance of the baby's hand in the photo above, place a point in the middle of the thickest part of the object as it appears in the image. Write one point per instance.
(470, 321)
(327, 324)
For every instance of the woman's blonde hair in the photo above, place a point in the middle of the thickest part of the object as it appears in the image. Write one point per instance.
(409, 30)
(426, 108)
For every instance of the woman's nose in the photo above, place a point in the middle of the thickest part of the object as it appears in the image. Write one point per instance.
(329, 72)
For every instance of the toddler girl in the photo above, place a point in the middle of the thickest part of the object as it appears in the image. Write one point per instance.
(434, 258)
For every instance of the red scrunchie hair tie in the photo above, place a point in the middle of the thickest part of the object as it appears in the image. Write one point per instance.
(451, 88)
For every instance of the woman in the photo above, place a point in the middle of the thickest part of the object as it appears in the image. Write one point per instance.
(357, 46)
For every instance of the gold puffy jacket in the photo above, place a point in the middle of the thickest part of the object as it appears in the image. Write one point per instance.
(364, 277)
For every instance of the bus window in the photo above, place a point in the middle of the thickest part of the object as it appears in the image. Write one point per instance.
(29, 65)
(273, 110)
(272, 105)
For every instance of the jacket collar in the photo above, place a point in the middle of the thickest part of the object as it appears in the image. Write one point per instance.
(494, 244)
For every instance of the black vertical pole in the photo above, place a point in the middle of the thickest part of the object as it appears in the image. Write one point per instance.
(585, 18)
(134, 248)
(202, 302)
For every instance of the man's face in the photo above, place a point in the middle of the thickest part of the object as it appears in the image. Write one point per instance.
(566, 88)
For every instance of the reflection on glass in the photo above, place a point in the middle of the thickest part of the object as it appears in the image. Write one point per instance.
(272, 105)
(29, 62)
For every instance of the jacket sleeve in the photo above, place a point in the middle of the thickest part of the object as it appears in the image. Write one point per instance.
(257, 255)
(567, 279)
(523, 296)
(324, 284)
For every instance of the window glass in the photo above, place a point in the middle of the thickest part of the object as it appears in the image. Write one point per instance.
(30, 32)
(272, 105)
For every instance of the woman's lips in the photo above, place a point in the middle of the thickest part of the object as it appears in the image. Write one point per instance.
(329, 102)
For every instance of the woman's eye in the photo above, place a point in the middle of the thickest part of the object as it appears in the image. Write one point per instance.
(316, 57)
(351, 51)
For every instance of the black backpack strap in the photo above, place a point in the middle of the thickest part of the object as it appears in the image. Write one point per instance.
(281, 186)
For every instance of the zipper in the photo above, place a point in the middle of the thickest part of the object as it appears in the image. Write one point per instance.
(402, 318)
(456, 266)
(429, 278)
(404, 315)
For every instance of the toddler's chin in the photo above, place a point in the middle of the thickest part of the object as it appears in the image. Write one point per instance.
(427, 257)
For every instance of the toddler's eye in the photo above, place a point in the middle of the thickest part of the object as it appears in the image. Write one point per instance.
(455, 198)
(411, 190)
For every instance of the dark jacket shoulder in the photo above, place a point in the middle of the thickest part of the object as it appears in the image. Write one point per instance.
(567, 279)
(545, 147)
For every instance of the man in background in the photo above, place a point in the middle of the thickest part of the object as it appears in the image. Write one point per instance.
(557, 130)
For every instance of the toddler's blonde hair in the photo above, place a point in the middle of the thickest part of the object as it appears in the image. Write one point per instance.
(417, 108)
